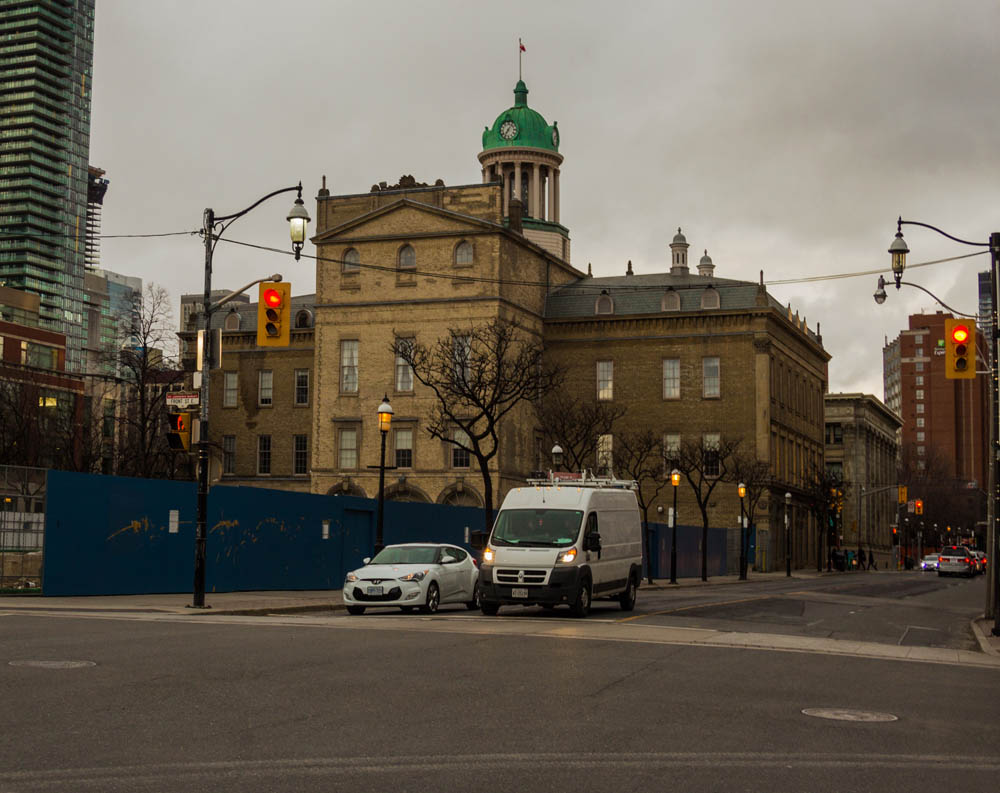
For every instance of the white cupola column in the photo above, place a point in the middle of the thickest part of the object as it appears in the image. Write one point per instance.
(533, 203)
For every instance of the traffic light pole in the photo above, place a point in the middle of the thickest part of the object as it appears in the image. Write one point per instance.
(212, 229)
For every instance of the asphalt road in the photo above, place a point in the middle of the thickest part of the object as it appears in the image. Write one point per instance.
(380, 702)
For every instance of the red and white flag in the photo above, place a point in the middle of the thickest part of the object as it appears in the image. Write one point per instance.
(519, 44)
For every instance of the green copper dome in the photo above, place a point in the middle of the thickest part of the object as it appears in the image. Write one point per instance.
(521, 127)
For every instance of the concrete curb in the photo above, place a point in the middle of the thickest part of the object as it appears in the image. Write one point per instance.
(984, 637)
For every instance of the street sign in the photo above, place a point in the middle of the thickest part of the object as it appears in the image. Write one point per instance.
(183, 399)
(911, 506)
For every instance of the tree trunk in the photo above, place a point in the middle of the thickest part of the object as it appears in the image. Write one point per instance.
(487, 496)
(704, 550)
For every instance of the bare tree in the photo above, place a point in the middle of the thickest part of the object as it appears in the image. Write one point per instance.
(638, 455)
(825, 492)
(575, 425)
(704, 464)
(755, 475)
(145, 364)
(478, 375)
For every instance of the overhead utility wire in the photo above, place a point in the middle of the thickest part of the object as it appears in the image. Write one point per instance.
(577, 286)
(33, 236)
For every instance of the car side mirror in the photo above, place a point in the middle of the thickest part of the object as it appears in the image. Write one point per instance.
(477, 540)
(366, 560)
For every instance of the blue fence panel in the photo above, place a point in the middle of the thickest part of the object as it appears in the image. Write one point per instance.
(110, 535)
(688, 551)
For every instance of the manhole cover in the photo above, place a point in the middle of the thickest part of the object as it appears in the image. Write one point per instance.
(842, 714)
(54, 664)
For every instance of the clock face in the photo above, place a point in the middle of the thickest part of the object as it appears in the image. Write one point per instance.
(555, 137)
(508, 130)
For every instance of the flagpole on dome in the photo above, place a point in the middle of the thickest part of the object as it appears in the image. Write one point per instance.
(520, 49)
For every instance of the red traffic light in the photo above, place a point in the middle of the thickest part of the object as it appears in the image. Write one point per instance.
(960, 334)
(272, 298)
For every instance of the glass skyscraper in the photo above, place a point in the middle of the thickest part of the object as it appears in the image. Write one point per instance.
(46, 62)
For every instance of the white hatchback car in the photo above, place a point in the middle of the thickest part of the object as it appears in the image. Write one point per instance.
(414, 575)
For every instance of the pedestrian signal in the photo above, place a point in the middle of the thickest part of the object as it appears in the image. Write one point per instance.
(959, 349)
(179, 432)
(274, 310)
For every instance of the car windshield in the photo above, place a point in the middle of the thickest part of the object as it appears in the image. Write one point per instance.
(537, 527)
(931, 558)
(955, 551)
(402, 554)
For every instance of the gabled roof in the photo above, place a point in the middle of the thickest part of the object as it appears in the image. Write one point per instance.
(337, 231)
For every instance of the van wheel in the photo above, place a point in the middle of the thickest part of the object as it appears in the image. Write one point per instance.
(627, 598)
(581, 606)
(489, 608)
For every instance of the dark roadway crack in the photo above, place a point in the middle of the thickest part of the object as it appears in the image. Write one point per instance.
(632, 674)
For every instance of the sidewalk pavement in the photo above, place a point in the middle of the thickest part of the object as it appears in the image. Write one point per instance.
(292, 602)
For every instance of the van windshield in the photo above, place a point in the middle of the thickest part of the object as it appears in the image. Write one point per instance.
(537, 527)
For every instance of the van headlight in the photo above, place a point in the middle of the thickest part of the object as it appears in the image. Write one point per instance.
(567, 557)
(489, 555)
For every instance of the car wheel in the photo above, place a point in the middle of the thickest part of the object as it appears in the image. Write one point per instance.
(581, 606)
(355, 610)
(489, 608)
(433, 599)
(476, 601)
(627, 598)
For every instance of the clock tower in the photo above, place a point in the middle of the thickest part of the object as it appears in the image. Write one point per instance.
(521, 151)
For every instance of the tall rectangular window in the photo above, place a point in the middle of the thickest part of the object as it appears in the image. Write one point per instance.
(462, 352)
(671, 450)
(349, 366)
(920, 407)
(300, 454)
(604, 449)
(404, 374)
(404, 448)
(919, 393)
(710, 446)
(229, 454)
(920, 422)
(671, 378)
(265, 394)
(348, 448)
(263, 454)
(460, 458)
(229, 389)
(605, 380)
(301, 386)
(710, 377)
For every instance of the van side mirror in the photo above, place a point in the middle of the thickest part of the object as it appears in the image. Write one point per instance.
(477, 540)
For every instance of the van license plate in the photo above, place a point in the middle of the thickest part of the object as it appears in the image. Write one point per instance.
(519, 593)
(374, 590)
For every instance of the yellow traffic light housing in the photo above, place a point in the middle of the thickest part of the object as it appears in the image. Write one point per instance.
(918, 506)
(179, 431)
(274, 309)
(960, 349)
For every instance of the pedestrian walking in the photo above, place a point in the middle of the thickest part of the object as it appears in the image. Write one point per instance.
(871, 560)
(861, 558)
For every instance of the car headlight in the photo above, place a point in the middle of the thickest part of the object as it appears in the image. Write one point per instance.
(488, 555)
(567, 556)
(419, 576)
(352, 577)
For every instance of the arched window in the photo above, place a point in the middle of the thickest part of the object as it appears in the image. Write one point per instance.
(463, 252)
(710, 298)
(407, 258)
(671, 301)
(605, 305)
(304, 319)
(233, 320)
(352, 261)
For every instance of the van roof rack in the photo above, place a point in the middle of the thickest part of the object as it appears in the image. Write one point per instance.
(584, 478)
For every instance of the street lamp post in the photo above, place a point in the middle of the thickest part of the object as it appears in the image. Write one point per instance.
(557, 457)
(788, 538)
(675, 480)
(384, 422)
(898, 250)
(742, 490)
(213, 228)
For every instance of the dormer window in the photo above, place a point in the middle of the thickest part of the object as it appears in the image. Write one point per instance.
(604, 305)
(710, 298)
(233, 320)
(671, 301)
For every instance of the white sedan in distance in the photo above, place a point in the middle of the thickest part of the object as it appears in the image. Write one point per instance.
(414, 575)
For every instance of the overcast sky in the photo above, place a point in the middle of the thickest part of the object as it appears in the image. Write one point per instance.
(781, 136)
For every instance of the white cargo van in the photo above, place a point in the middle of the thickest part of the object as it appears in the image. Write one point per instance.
(564, 541)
